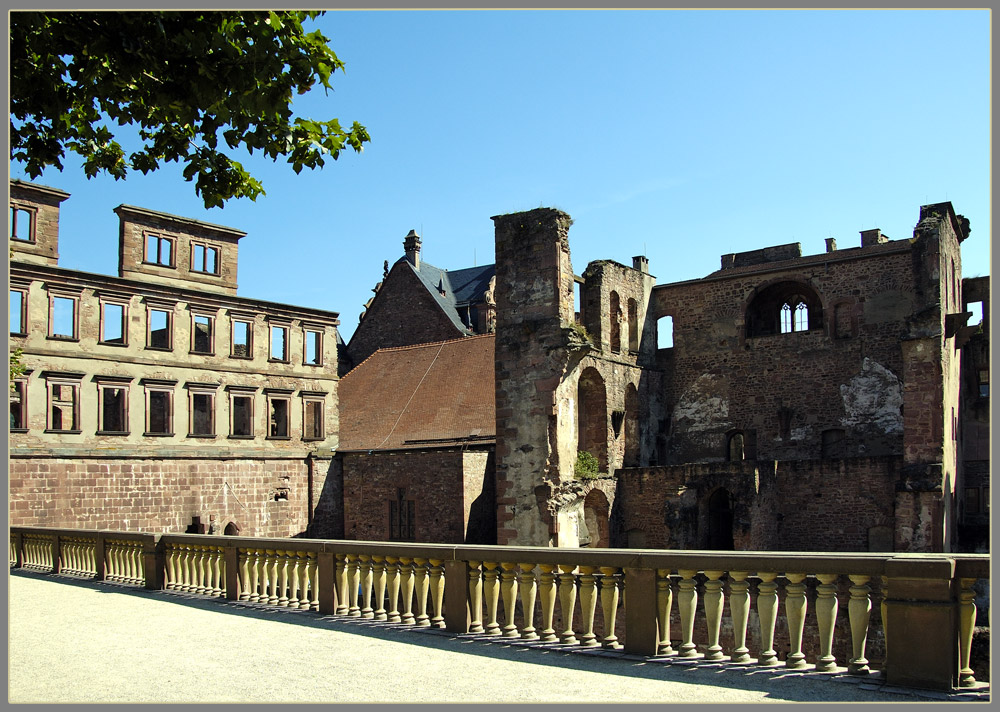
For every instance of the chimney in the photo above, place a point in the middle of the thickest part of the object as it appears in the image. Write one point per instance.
(411, 243)
(831, 244)
(872, 237)
(641, 263)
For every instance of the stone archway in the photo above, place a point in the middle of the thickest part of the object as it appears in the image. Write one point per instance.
(597, 516)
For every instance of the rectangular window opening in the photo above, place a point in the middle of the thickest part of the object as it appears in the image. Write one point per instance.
(278, 417)
(64, 406)
(242, 333)
(22, 224)
(202, 414)
(204, 259)
(279, 343)
(18, 416)
(159, 250)
(18, 312)
(241, 408)
(159, 412)
(113, 323)
(312, 428)
(202, 334)
(159, 329)
(114, 409)
(63, 318)
(314, 348)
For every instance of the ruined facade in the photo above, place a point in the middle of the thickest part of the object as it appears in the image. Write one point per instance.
(158, 399)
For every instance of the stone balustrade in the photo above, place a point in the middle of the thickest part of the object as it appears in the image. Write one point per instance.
(689, 607)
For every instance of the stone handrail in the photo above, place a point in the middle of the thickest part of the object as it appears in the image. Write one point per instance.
(926, 606)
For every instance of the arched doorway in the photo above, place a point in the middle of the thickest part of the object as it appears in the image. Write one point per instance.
(720, 520)
(597, 515)
(592, 416)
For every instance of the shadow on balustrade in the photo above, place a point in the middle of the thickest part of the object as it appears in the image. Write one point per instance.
(780, 683)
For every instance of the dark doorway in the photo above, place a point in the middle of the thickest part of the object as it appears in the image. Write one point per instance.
(720, 521)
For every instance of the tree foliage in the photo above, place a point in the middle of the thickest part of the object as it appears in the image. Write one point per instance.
(189, 84)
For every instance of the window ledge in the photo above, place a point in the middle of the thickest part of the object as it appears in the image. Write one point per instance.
(63, 432)
(314, 365)
(158, 435)
(241, 358)
(113, 344)
(202, 435)
(158, 264)
(56, 337)
(19, 333)
(112, 432)
(278, 437)
(202, 353)
(278, 360)
(17, 430)
(241, 437)
(312, 440)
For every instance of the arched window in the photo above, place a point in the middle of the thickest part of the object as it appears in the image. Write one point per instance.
(783, 308)
(615, 323)
(633, 325)
(735, 448)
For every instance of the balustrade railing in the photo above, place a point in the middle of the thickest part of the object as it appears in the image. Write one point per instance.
(799, 611)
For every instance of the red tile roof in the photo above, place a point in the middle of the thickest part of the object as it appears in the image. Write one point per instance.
(420, 396)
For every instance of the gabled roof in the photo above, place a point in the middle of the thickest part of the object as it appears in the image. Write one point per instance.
(429, 395)
(461, 286)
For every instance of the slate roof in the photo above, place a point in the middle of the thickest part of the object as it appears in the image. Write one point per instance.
(461, 286)
(428, 395)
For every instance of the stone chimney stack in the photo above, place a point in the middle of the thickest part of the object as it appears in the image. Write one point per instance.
(831, 244)
(641, 263)
(411, 243)
(872, 237)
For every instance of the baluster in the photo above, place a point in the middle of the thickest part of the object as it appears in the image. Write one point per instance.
(884, 612)
(714, 603)
(859, 611)
(353, 586)
(567, 602)
(69, 551)
(664, 602)
(437, 592)
(966, 626)
(340, 585)
(313, 582)
(272, 576)
(303, 564)
(366, 586)
(687, 604)
(135, 560)
(826, 616)
(92, 558)
(196, 564)
(420, 585)
(508, 589)
(244, 564)
(491, 592)
(201, 569)
(173, 565)
(739, 609)
(528, 593)
(294, 579)
(392, 573)
(588, 606)
(265, 574)
(184, 562)
(256, 574)
(406, 590)
(767, 612)
(219, 571)
(609, 606)
(547, 592)
(475, 598)
(795, 613)
(281, 562)
(379, 566)
(121, 566)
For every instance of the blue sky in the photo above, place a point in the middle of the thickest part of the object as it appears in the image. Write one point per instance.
(682, 135)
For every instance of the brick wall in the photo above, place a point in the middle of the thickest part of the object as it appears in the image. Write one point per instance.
(443, 486)
(264, 497)
(403, 313)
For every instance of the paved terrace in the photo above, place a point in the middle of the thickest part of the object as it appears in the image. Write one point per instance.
(72, 640)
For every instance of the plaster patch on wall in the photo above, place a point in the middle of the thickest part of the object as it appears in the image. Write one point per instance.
(799, 434)
(703, 406)
(874, 397)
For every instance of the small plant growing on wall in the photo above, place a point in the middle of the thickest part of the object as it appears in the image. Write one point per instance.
(587, 466)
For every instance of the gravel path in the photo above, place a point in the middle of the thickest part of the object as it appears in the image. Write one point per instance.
(80, 641)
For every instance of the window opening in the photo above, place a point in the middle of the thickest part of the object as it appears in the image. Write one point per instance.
(63, 320)
(242, 416)
(665, 332)
(18, 415)
(202, 413)
(18, 311)
(159, 412)
(720, 521)
(633, 325)
(22, 227)
(977, 313)
(159, 250)
(113, 323)
(312, 419)
(736, 448)
(616, 323)
(159, 329)
(984, 383)
(794, 318)
(279, 343)
(64, 406)
(202, 342)
(401, 518)
(204, 259)
(314, 348)
(278, 418)
(242, 333)
(114, 409)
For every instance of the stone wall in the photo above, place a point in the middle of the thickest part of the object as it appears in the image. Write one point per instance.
(267, 497)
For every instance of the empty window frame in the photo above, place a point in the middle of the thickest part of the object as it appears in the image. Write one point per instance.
(159, 328)
(241, 415)
(241, 338)
(63, 316)
(736, 447)
(202, 333)
(159, 250)
(277, 416)
(22, 224)
(794, 316)
(201, 412)
(313, 347)
(19, 405)
(279, 342)
(63, 406)
(984, 383)
(112, 408)
(114, 323)
(18, 312)
(313, 415)
(159, 410)
(204, 258)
